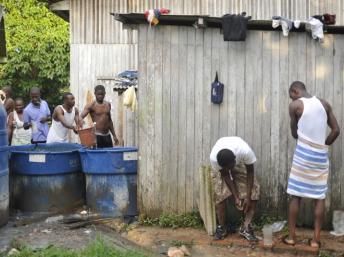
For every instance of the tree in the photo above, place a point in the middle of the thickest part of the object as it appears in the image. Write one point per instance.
(37, 49)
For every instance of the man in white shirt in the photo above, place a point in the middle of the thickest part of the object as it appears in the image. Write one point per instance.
(232, 161)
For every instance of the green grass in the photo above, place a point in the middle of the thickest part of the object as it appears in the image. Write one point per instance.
(191, 220)
(98, 248)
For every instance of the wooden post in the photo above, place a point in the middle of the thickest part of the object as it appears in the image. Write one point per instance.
(120, 121)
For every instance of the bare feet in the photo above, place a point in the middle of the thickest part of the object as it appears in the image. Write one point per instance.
(288, 241)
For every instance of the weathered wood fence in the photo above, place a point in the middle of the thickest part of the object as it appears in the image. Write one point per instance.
(178, 124)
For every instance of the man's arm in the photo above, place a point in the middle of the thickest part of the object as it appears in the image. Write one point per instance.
(86, 111)
(58, 114)
(250, 178)
(225, 174)
(332, 123)
(10, 127)
(112, 129)
(48, 114)
(77, 119)
(27, 120)
(293, 118)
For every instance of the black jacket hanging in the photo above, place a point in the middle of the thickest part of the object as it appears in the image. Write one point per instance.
(234, 26)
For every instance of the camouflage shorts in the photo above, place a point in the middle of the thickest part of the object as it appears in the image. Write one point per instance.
(239, 174)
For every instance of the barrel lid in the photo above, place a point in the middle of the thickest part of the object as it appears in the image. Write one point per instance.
(111, 150)
(54, 148)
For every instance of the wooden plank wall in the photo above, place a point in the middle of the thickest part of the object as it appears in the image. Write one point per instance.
(94, 32)
(178, 124)
(91, 22)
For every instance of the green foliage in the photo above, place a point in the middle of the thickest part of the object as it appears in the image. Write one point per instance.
(192, 220)
(37, 48)
(98, 248)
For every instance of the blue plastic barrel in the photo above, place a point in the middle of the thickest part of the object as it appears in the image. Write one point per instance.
(4, 202)
(46, 177)
(111, 180)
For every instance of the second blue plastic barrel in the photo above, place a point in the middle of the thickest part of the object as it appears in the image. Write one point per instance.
(111, 180)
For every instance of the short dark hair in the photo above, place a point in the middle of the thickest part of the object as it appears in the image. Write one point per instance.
(19, 99)
(99, 87)
(297, 84)
(225, 157)
(65, 95)
(7, 89)
(35, 90)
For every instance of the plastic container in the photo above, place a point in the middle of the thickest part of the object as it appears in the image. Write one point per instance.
(267, 235)
(4, 191)
(338, 221)
(46, 177)
(111, 180)
(87, 137)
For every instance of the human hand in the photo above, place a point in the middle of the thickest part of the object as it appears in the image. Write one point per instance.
(116, 141)
(238, 203)
(43, 119)
(75, 129)
(247, 204)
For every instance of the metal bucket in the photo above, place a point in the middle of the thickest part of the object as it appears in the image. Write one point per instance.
(87, 137)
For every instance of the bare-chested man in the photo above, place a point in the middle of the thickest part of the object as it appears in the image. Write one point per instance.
(100, 111)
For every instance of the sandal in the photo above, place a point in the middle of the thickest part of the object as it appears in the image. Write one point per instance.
(314, 244)
(288, 241)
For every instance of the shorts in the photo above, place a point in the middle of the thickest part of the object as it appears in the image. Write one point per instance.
(239, 174)
(104, 141)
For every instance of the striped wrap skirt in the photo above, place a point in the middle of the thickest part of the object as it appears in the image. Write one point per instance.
(309, 171)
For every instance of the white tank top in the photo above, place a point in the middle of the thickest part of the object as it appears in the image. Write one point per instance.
(20, 136)
(58, 132)
(313, 122)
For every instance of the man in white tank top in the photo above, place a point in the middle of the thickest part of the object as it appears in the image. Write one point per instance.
(65, 117)
(17, 135)
(309, 118)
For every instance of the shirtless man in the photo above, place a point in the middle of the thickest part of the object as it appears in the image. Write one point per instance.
(9, 102)
(100, 112)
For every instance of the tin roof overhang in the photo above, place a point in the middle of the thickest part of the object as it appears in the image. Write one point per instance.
(211, 22)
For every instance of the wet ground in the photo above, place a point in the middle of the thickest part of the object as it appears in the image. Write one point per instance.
(44, 233)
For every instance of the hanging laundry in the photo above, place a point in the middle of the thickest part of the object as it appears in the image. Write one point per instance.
(153, 15)
(315, 26)
(327, 19)
(235, 26)
(129, 98)
(285, 23)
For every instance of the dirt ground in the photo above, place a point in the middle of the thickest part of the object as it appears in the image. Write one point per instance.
(156, 240)
(200, 244)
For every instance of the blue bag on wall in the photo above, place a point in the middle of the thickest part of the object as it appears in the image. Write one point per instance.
(216, 91)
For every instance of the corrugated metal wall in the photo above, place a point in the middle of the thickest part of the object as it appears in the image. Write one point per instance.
(178, 124)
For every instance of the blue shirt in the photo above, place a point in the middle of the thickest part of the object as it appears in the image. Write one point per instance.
(33, 114)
